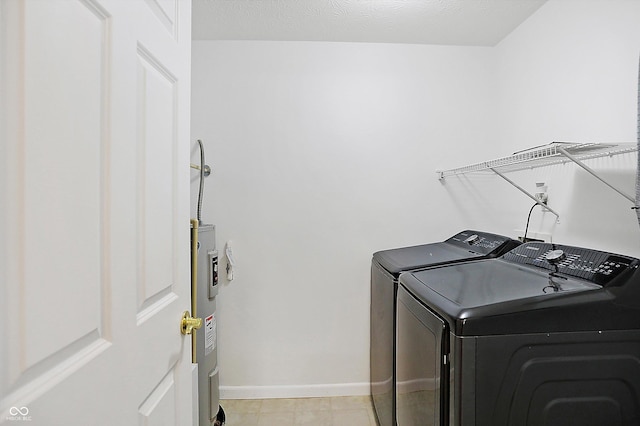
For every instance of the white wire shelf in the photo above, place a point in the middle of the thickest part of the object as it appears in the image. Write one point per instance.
(553, 153)
(546, 155)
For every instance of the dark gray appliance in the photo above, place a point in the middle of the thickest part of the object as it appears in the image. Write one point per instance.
(206, 338)
(544, 335)
(386, 266)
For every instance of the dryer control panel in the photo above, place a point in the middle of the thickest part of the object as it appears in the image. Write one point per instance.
(592, 265)
(481, 242)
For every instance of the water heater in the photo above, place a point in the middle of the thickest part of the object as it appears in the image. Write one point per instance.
(204, 345)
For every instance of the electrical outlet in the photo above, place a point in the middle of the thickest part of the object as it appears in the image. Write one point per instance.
(542, 197)
(541, 193)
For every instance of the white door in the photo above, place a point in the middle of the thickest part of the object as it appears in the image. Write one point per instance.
(94, 226)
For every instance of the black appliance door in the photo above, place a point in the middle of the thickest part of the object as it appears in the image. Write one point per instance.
(421, 364)
(383, 292)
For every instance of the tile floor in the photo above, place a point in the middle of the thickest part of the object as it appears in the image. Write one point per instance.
(329, 411)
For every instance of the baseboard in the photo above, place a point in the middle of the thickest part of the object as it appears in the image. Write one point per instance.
(294, 391)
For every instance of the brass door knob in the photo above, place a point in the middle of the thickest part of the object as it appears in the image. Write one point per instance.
(188, 323)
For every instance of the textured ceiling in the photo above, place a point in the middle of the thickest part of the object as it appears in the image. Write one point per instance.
(451, 22)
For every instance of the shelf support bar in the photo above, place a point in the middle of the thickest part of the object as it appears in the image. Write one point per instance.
(524, 191)
(594, 174)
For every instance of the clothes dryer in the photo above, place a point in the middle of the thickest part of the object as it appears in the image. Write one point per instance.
(386, 266)
(543, 335)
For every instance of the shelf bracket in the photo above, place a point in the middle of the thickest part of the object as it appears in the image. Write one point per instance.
(524, 191)
(594, 174)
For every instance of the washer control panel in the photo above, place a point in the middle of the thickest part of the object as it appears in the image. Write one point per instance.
(480, 242)
(592, 265)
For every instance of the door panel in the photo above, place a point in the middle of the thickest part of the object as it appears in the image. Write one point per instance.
(49, 239)
(94, 212)
(159, 408)
(167, 13)
(157, 183)
(59, 241)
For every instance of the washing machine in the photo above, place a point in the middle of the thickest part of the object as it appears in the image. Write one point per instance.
(543, 335)
(386, 266)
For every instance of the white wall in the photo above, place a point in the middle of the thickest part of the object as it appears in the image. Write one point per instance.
(322, 154)
(325, 152)
(570, 73)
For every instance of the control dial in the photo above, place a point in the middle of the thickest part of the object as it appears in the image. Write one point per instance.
(555, 256)
(471, 239)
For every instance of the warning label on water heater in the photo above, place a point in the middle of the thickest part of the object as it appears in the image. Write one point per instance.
(209, 334)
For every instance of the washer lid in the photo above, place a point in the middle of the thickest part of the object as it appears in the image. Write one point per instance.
(492, 282)
(465, 245)
(521, 291)
(471, 295)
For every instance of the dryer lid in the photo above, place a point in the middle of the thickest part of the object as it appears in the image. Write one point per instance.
(465, 245)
